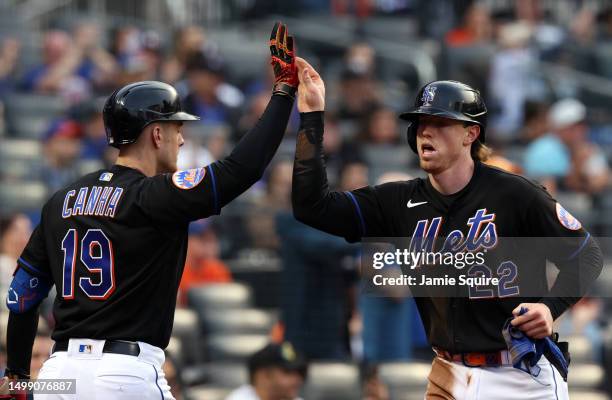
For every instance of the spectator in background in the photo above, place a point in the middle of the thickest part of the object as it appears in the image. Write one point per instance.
(203, 145)
(315, 281)
(276, 372)
(202, 264)
(260, 218)
(359, 93)
(337, 150)
(210, 97)
(15, 230)
(144, 61)
(565, 157)
(373, 387)
(9, 53)
(40, 352)
(2, 355)
(513, 80)
(380, 127)
(361, 58)
(256, 105)
(62, 148)
(390, 319)
(72, 65)
(584, 320)
(172, 375)
(476, 28)
(126, 45)
(605, 20)
(535, 120)
(188, 40)
(94, 146)
(353, 175)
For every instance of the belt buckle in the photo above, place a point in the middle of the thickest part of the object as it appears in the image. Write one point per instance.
(473, 360)
(481, 359)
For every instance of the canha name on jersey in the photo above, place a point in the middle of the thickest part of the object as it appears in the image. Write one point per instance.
(97, 200)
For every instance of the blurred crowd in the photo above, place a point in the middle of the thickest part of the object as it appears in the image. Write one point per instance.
(548, 131)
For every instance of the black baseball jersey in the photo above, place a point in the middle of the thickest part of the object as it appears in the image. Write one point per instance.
(114, 243)
(493, 205)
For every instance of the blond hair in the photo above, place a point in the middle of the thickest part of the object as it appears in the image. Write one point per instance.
(480, 151)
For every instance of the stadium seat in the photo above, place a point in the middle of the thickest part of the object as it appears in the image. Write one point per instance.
(29, 126)
(29, 115)
(405, 377)
(243, 321)
(49, 105)
(219, 296)
(385, 158)
(187, 330)
(19, 158)
(603, 54)
(585, 376)
(224, 374)
(332, 381)
(22, 196)
(581, 349)
(206, 392)
(234, 347)
(588, 395)
(174, 350)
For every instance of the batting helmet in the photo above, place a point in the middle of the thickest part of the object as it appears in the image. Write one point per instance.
(448, 99)
(129, 109)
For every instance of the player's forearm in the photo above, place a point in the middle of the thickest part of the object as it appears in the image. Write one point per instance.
(574, 279)
(247, 162)
(313, 203)
(20, 334)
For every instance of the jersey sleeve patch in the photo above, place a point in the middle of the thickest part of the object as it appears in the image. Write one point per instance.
(567, 219)
(189, 178)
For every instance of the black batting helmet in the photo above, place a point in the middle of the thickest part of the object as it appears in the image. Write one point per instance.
(129, 109)
(448, 99)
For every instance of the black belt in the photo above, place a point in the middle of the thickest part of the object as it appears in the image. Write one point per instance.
(110, 346)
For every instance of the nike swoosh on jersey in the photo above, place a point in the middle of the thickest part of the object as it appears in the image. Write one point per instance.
(410, 204)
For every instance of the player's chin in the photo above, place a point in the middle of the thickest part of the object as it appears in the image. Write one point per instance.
(429, 166)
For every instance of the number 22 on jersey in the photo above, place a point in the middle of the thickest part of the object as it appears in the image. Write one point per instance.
(96, 254)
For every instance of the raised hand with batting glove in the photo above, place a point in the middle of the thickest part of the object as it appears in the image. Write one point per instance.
(283, 61)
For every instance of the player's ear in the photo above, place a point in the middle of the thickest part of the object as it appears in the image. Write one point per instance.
(473, 131)
(156, 135)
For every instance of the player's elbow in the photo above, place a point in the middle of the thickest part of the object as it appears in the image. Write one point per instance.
(26, 292)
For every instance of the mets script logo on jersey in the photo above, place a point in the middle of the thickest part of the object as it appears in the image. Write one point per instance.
(428, 95)
(189, 178)
(482, 234)
(567, 219)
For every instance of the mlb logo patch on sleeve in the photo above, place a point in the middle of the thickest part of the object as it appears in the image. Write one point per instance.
(567, 219)
(106, 176)
(189, 178)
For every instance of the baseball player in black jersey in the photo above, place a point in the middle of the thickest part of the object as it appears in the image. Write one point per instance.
(114, 242)
(469, 206)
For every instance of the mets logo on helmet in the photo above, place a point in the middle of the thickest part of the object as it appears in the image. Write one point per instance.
(428, 95)
(567, 219)
(189, 178)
